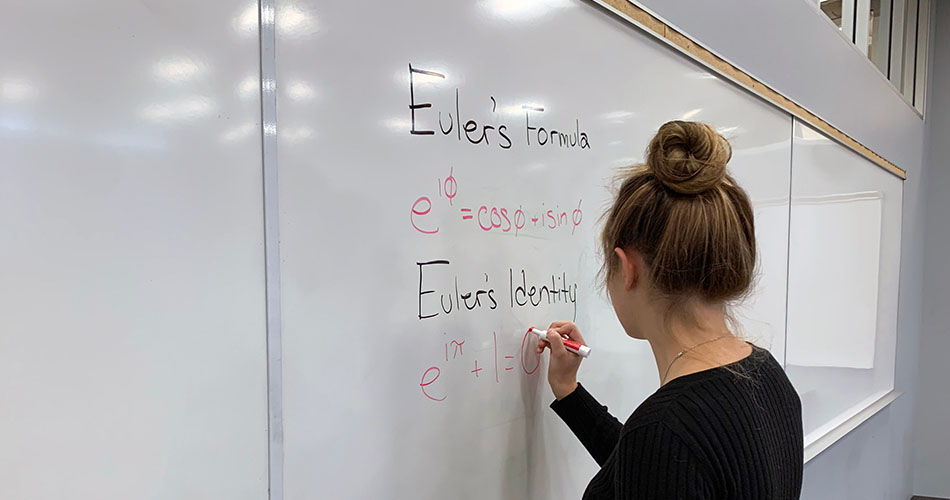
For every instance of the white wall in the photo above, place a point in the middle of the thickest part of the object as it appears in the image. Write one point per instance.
(931, 436)
(790, 46)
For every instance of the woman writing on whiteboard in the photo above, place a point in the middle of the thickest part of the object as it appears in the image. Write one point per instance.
(679, 246)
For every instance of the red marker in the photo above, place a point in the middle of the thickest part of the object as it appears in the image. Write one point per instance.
(579, 349)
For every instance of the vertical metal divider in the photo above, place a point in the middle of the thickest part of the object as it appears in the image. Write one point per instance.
(788, 239)
(268, 89)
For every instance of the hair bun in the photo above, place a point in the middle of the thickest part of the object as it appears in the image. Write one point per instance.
(688, 157)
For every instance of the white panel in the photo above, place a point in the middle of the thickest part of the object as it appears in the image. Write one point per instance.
(896, 70)
(840, 237)
(881, 36)
(359, 362)
(842, 295)
(910, 49)
(132, 356)
(848, 12)
(862, 20)
(925, 10)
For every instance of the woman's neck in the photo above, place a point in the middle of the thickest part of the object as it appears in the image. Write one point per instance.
(702, 333)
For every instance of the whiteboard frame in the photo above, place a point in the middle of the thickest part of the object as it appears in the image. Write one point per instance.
(649, 22)
(275, 387)
(829, 438)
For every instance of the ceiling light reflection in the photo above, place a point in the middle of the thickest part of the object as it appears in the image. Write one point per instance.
(17, 89)
(128, 140)
(521, 109)
(703, 75)
(185, 109)
(176, 69)
(401, 125)
(246, 22)
(239, 132)
(249, 87)
(295, 134)
(289, 20)
(691, 113)
(522, 10)
(624, 162)
(729, 131)
(618, 115)
(426, 80)
(292, 20)
(300, 91)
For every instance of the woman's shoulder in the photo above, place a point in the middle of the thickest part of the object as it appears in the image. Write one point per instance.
(758, 365)
(716, 392)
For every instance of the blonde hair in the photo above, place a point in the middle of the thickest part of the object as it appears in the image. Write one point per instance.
(686, 216)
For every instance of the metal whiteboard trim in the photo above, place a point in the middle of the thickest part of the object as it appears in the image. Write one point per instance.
(827, 439)
(788, 232)
(275, 403)
(654, 25)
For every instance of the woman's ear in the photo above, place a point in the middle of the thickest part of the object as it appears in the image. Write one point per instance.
(630, 267)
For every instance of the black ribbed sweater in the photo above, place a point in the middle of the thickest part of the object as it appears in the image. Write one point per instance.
(732, 432)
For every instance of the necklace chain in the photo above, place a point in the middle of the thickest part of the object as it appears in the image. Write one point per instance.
(684, 351)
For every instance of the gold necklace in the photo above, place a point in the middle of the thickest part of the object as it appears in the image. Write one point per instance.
(684, 351)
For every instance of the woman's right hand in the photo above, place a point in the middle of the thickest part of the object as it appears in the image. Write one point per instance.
(562, 370)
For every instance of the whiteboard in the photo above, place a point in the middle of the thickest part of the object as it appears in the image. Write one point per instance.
(411, 264)
(842, 299)
(132, 356)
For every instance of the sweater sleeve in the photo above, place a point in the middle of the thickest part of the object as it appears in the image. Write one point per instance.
(653, 462)
(590, 421)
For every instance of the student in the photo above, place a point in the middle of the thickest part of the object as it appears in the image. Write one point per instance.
(679, 246)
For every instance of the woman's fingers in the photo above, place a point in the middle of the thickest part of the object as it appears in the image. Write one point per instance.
(568, 329)
(559, 324)
(555, 334)
(541, 345)
(563, 328)
(554, 339)
(562, 369)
